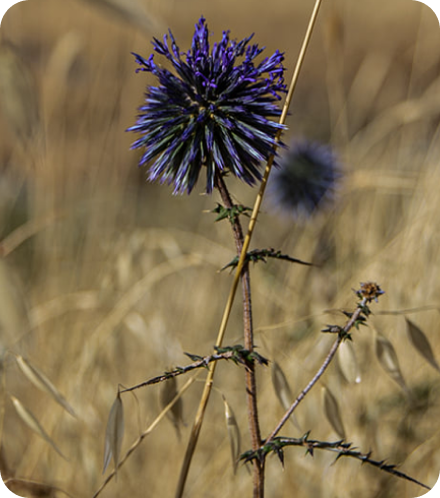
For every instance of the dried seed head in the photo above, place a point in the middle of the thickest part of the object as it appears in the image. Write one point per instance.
(388, 360)
(40, 381)
(283, 391)
(421, 343)
(332, 412)
(31, 421)
(114, 433)
(370, 291)
(168, 391)
(348, 362)
(233, 434)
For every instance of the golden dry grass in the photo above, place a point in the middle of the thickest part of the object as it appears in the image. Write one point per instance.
(105, 279)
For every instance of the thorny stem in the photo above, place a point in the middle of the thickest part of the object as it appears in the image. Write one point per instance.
(251, 387)
(321, 370)
(203, 362)
(195, 431)
(343, 450)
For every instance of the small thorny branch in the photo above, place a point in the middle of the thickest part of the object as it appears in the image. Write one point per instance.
(340, 447)
(262, 254)
(368, 292)
(237, 353)
(231, 213)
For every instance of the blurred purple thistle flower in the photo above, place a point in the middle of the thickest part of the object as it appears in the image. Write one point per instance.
(209, 112)
(306, 179)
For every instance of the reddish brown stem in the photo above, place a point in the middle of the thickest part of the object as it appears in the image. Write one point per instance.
(251, 387)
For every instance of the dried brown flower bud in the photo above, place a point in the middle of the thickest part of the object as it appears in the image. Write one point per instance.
(370, 290)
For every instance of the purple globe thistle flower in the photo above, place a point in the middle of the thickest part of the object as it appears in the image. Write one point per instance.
(306, 178)
(209, 112)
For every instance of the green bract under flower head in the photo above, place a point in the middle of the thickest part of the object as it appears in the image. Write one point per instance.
(210, 111)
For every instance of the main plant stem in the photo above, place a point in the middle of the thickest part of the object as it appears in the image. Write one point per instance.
(251, 386)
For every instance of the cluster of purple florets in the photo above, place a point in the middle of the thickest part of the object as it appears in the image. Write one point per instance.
(209, 112)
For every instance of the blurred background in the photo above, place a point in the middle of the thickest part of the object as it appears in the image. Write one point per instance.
(106, 279)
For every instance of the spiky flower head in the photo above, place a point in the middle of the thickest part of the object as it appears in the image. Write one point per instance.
(306, 178)
(370, 291)
(210, 112)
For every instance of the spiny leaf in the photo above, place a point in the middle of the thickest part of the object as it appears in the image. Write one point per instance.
(257, 357)
(280, 454)
(230, 213)
(194, 357)
(42, 382)
(333, 329)
(114, 434)
(421, 343)
(242, 355)
(262, 255)
(29, 419)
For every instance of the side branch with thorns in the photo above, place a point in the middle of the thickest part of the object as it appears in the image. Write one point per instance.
(340, 447)
(368, 292)
(238, 354)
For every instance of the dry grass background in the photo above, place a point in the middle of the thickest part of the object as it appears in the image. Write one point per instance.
(106, 279)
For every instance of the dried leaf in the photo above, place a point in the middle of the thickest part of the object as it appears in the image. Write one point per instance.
(43, 383)
(233, 434)
(421, 343)
(283, 391)
(114, 434)
(348, 363)
(332, 412)
(168, 391)
(388, 359)
(281, 386)
(29, 419)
